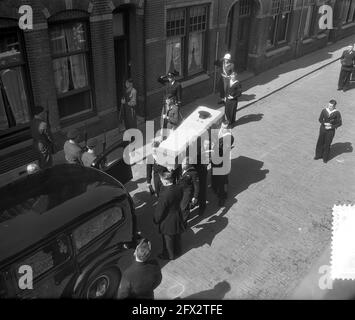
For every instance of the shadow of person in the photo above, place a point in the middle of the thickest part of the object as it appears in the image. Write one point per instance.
(248, 118)
(216, 293)
(206, 233)
(247, 97)
(339, 148)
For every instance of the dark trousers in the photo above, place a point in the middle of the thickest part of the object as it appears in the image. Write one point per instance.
(157, 184)
(219, 185)
(202, 175)
(45, 158)
(324, 141)
(185, 204)
(171, 245)
(344, 79)
(231, 110)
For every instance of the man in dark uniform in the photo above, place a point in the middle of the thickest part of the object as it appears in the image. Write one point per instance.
(190, 183)
(347, 66)
(72, 149)
(142, 277)
(42, 140)
(222, 147)
(227, 67)
(172, 87)
(330, 120)
(170, 116)
(168, 217)
(153, 171)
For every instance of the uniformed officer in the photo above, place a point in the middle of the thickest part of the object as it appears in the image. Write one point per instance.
(347, 67)
(227, 68)
(190, 183)
(89, 156)
(42, 141)
(172, 86)
(72, 149)
(170, 115)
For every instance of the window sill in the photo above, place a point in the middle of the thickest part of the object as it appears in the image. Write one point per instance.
(197, 79)
(76, 119)
(321, 36)
(277, 51)
(308, 40)
(349, 25)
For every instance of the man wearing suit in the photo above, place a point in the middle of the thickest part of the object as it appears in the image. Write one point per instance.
(72, 150)
(168, 217)
(347, 66)
(141, 278)
(330, 120)
(190, 183)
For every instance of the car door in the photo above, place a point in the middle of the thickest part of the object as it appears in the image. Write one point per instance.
(113, 163)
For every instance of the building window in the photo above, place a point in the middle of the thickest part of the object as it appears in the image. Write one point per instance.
(348, 11)
(278, 28)
(70, 54)
(14, 102)
(185, 46)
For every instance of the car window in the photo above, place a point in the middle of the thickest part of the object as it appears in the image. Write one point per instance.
(96, 226)
(47, 258)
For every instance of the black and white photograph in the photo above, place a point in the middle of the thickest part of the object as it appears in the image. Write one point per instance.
(177, 150)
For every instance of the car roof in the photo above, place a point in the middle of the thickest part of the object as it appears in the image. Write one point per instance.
(36, 206)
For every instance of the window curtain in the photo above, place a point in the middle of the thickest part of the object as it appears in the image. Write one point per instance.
(307, 26)
(346, 6)
(14, 88)
(173, 55)
(75, 37)
(351, 17)
(195, 51)
(61, 74)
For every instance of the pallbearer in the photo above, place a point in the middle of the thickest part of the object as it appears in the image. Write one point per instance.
(190, 183)
(222, 146)
(330, 120)
(170, 116)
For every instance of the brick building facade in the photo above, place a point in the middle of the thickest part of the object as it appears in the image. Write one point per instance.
(76, 57)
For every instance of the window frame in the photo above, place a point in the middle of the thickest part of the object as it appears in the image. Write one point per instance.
(101, 235)
(90, 74)
(8, 136)
(184, 40)
(48, 242)
(277, 10)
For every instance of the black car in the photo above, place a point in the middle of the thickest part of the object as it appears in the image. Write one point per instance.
(71, 226)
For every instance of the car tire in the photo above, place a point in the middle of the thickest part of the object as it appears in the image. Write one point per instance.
(103, 285)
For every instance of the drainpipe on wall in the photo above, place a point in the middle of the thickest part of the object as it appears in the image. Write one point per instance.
(144, 62)
(299, 29)
(216, 52)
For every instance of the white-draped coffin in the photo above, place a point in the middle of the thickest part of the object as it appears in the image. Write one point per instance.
(186, 134)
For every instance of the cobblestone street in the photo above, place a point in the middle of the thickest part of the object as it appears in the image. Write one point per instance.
(277, 220)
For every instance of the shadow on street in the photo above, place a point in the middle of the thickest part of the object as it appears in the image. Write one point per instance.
(339, 148)
(249, 118)
(217, 293)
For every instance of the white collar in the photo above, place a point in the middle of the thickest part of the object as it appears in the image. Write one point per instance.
(330, 112)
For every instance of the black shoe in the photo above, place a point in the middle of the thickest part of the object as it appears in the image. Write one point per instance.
(340, 89)
(344, 90)
(221, 102)
(317, 158)
(325, 161)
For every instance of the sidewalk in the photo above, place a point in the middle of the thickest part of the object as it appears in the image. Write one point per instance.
(255, 89)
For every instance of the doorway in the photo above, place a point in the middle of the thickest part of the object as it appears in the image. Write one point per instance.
(238, 33)
(122, 50)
